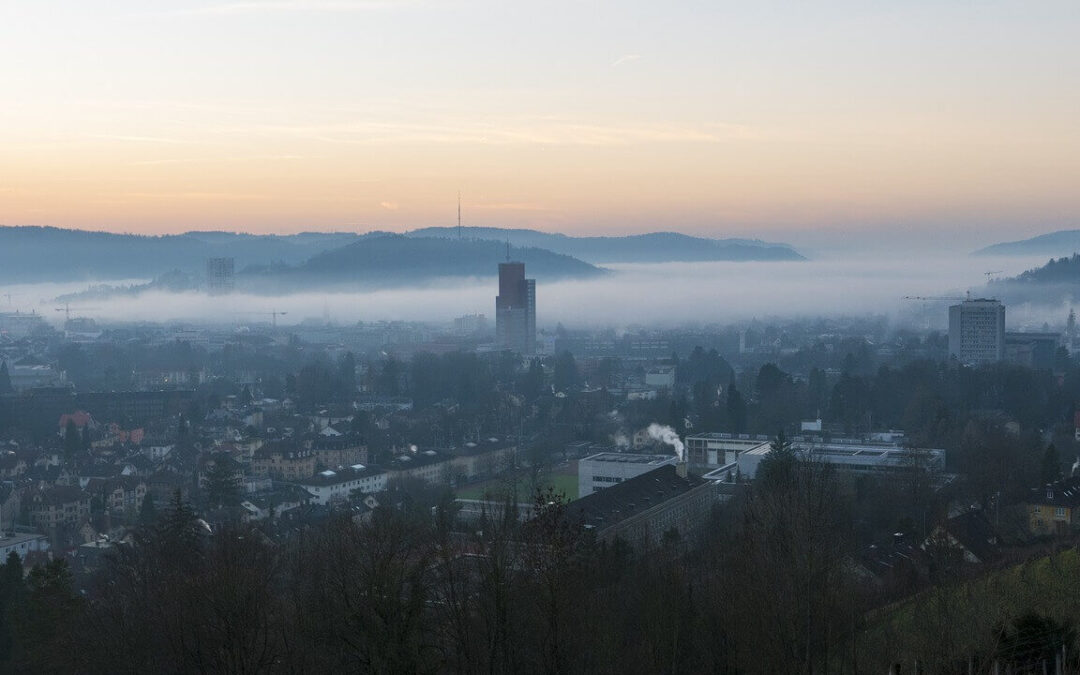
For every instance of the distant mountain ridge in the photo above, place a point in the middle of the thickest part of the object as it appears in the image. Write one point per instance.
(1056, 244)
(33, 254)
(652, 247)
(264, 263)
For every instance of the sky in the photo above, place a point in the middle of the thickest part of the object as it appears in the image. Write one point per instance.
(866, 123)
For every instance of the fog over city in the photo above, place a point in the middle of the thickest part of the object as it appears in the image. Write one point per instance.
(472, 336)
(632, 294)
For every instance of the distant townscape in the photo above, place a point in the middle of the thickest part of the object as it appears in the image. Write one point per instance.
(487, 494)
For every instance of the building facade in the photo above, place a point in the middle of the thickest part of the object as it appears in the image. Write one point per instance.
(220, 275)
(515, 309)
(606, 469)
(1053, 508)
(977, 331)
(646, 509)
(335, 485)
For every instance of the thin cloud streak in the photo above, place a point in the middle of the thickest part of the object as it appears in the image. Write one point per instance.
(216, 160)
(280, 6)
(542, 132)
(625, 58)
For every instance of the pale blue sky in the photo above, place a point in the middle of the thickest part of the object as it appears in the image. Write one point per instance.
(775, 119)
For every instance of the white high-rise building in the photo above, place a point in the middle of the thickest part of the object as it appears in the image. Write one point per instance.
(977, 331)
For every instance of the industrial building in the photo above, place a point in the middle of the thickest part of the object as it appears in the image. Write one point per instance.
(845, 455)
(715, 449)
(977, 331)
(642, 510)
(515, 309)
(1034, 350)
(606, 469)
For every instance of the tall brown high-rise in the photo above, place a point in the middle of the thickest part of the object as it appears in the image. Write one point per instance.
(515, 309)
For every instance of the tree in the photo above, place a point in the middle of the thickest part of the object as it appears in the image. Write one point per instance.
(44, 623)
(736, 409)
(566, 374)
(5, 379)
(1051, 465)
(72, 441)
(148, 511)
(347, 374)
(222, 483)
(12, 591)
(794, 587)
(777, 470)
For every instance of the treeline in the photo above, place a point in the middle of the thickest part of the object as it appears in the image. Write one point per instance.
(769, 585)
(763, 589)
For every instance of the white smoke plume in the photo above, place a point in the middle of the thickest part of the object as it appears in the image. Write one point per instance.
(666, 434)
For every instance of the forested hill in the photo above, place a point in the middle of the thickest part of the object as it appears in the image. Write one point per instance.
(396, 260)
(1055, 282)
(34, 254)
(264, 262)
(1058, 243)
(1056, 271)
(651, 247)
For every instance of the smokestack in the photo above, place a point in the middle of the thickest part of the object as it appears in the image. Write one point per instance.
(680, 469)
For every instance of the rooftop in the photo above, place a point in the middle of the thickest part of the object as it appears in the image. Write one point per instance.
(629, 458)
(341, 475)
(639, 494)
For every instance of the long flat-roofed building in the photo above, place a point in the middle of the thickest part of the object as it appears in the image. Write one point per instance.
(339, 484)
(712, 450)
(852, 456)
(643, 509)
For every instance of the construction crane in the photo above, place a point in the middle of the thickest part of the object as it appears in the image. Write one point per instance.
(926, 299)
(949, 298)
(66, 309)
(274, 314)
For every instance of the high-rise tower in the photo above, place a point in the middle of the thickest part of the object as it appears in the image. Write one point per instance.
(977, 331)
(515, 309)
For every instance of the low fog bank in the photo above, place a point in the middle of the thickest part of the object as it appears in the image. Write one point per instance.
(648, 294)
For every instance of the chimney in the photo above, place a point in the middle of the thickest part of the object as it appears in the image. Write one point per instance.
(680, 469)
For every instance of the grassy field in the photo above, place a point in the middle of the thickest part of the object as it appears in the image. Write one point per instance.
(563, 478)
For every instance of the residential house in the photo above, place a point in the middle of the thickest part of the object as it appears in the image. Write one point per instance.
(342, 450)
(970, 535)
(1053, 508)
(284, 460)
(57, 506)
(124, 494)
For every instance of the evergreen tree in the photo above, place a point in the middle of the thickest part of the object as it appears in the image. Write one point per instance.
(1051, 464)
(148, 511)
(5, 379)
(347, 374)
(777, 470)
(566, 374)
(72, 440)
(736, 409)
(12, 590)
(222, 485)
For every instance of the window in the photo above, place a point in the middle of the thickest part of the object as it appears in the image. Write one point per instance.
(1059, 512)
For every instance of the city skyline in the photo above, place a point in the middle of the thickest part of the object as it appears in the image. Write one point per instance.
(779, 121)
